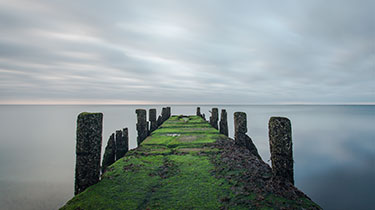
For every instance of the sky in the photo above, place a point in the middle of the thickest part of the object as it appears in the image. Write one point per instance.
(187, 52)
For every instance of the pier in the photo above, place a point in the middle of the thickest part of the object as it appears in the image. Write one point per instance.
(186, 162)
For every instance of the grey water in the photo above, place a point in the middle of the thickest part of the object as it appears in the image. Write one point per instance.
(334, 149)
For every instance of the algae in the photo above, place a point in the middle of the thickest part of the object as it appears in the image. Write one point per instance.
(192, 170)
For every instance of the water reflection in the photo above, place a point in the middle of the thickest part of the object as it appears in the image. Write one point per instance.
(333, 150)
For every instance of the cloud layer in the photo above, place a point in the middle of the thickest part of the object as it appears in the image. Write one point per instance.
(187, 51)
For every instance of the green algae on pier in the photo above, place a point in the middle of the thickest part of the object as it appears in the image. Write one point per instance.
(181, 166)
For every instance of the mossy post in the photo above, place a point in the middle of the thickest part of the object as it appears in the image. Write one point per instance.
(163, 116)
(199, 112)
(223, 122)
(122, 143)
(142, 125)
(152, 119)
(281, 146)
(88, 150)
(204, 117)
(240, 130)
(214, 118)
(109, 153)
(168, 112)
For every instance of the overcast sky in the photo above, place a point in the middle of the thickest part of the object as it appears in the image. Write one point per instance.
(232, 52)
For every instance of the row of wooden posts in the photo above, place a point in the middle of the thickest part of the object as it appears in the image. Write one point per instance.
(280, 139)
(89, 142)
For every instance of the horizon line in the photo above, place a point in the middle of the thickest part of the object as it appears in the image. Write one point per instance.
(187, 104)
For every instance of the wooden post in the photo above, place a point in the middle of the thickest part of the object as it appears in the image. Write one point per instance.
(281, 146)
(88, 150)
(122, 143)
(214, 117)
(109, 153)
(152, 119)
(142, 126)
(223, 122)
(240, 130)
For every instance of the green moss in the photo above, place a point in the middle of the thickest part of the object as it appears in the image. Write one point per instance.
(172, 169)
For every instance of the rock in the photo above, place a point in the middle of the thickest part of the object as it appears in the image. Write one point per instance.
(281, 146)
(214, 117)
(152, 119)
(142, 125)
(223, 122)
(240, 130)
(88, 150)
(110, 153)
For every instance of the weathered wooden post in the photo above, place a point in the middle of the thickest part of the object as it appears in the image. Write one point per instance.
(142, 126)
(164, 116)
(88, 150)
(122, 143)
(199, 112)
(168, 113)
(240, 130)
(214, 117)
(152, 119)
(109, 153)
(281, 146)
(223, 122)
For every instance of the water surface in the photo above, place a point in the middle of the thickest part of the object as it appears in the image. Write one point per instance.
(334, 149)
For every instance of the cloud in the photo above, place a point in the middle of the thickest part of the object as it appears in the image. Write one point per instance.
(187, 51)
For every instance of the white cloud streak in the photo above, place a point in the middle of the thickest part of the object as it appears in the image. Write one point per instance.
(187, 51)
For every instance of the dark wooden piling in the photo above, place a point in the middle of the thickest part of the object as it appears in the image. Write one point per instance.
(122, 143)
(199, 112)
(240, 130)
(163, 116)
(168, 112)
(214, 118)
(142, 125)
(109, 153)
(223, 122)
(281, 146)
(88, 150)
(152, 119)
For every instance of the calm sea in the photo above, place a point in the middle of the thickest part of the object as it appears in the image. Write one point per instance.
(334, 149)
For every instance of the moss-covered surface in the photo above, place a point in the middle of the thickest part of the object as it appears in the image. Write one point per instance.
(184, 164)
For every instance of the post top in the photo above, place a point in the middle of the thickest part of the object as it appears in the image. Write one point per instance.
(276, 118)
(83, 114)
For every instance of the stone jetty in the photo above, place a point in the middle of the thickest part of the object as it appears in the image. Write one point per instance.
(186, 163)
